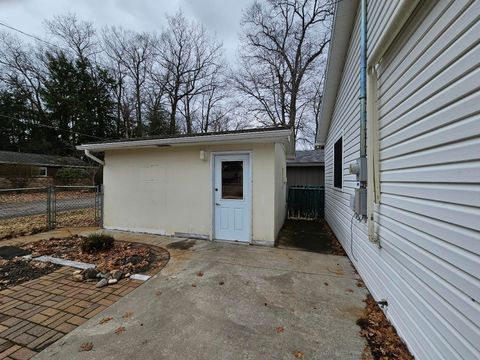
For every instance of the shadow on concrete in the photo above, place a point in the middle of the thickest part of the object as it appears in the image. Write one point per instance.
(309, 235)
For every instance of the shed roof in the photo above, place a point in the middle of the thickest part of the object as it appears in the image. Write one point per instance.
(18, 158)
(308, 158)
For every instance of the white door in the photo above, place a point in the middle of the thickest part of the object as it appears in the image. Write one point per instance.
(232, 198)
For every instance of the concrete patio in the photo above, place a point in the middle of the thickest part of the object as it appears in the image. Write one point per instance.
(226, 301)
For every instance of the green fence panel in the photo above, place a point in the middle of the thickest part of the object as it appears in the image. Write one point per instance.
(305, 202)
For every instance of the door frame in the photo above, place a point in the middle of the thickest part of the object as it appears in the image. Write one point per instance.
(212, 191)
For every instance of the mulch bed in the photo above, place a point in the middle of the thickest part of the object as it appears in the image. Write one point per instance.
(17, 270)
(383, 340)
(124, 256)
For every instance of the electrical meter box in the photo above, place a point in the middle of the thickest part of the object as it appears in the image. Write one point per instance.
(358, 202)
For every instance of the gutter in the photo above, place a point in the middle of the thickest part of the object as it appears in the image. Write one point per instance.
(93, 157)
(393, 27)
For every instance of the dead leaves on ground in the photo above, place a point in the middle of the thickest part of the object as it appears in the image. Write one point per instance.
(382, 338)
(279, 329)
(199, 274)
(88, 346)
(127, 314)
(128, 257)
(299, 354)
(120, 330)
(105, 320)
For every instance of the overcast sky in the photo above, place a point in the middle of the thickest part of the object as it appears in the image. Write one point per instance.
(221, 17)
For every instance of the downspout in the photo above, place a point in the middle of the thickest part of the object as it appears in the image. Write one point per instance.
(93, 157)
(363, 95)
(398, 19)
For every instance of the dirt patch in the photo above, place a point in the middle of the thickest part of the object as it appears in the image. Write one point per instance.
(16, 271)
(29, 196)
(383, 340)
(182, 245)
(124, 256)
(29, 225)
(309, 235)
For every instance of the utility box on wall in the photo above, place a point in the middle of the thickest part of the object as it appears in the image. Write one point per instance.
(358, 202)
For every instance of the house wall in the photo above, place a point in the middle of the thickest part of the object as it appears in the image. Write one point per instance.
(428, 266)
(168, 190)
(280, 187)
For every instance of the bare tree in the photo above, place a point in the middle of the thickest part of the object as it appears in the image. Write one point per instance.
(282, 43)
(76, 35)
(188, 58)
(134, 54)
(23, 68)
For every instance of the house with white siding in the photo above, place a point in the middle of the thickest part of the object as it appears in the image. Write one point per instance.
(400, 126)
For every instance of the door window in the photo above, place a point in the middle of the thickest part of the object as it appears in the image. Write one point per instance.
(232, 180)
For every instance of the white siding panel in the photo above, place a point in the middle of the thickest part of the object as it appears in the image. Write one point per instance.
(428, 268)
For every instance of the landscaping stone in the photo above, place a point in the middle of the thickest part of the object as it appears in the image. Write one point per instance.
(102, 283)
(116, 274)
(78, 277)
(90, 273)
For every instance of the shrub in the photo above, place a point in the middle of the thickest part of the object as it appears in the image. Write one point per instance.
(71, 173)
(96, 242)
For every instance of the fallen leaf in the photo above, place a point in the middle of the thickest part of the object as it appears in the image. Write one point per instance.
(127, 314)
(158, 293)
(120, 330)
(326, 284)
(194, 285)
(221, 283)
(279, 329)
(86, 346)
(200, 274)
(298, 354)
(349, 290)
(105, 320)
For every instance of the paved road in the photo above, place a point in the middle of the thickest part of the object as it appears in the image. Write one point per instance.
(38, 207)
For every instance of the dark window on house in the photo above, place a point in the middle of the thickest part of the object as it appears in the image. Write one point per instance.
(338, 164)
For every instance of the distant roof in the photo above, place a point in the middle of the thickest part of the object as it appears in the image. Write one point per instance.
(18, 158)
(307, 158)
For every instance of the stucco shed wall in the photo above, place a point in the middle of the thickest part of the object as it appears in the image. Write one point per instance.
(168, 190)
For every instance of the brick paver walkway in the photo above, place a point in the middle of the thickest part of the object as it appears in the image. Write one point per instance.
(37, 313)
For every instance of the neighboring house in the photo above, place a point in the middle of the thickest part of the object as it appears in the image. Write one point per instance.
(33, 170)
(415, 234)
(224, 186)
(306, 169)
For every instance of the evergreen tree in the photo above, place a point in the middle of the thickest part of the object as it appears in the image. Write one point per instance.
(77, 96)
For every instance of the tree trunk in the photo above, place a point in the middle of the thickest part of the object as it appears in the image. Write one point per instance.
(139, 111)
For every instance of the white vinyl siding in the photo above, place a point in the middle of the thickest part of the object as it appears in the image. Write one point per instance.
(428, 267)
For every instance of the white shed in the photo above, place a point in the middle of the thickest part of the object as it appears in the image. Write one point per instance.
(222, 186)
(417, 245)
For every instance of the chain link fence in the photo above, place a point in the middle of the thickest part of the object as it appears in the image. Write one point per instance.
(31, 210)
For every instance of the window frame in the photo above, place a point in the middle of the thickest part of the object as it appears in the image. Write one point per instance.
(42, 171)
(338, 183)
